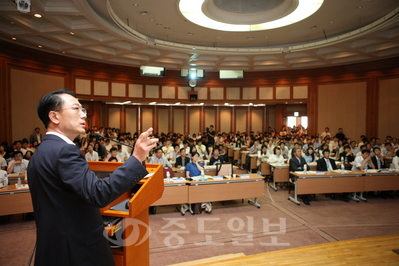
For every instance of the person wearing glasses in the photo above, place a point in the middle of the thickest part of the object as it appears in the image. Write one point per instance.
(66, 195)
(18, 165)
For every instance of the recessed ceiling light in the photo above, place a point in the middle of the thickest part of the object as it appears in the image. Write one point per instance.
(153, 103)
(331, 22)
(37, 15)
(39, 46)
(152, 19)
(13, 38)
(175, 30)
(72, 33)
(359, 7)
(192, 10)
(250, 38)
(167, 28)
(159, 24)
(266, 37)
(135, 4)
(190, 33)
(63, 52)
(144, 13)
(313, 28)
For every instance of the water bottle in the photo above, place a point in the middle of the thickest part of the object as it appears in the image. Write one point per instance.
(342, 160)
(392, 168)
(229, 173)
(5, 180)
(202, 174)
(342, 168)
(365, 168)
(19, 183)
(167, 177)
(305, 168)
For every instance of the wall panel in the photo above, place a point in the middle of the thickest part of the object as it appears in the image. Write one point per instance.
(131, 119)
(194, 116)
(216, 93)
(210, 117)
(282, 92)
(343, 105)
(135, 90)
(101, 88)
(114, 116)
(168, 92)
(83, 86)
(249, 93)
(163, 119)
(257, 119)
(388, 122)
(151, 91)
(233, 93)
(225, 119)
(241, 119)
(178, 120)
(26, 90)
(300, 92)
(265, 93)
(118, 89)
(146, 118)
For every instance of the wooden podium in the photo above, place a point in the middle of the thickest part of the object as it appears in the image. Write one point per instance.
(151, 190)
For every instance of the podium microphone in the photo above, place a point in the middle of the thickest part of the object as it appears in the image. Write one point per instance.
(99, 136)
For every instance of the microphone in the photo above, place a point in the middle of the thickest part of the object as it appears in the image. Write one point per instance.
(99, 136)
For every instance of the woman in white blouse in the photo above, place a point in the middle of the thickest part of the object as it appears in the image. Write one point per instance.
(395, 161)
(276, 157)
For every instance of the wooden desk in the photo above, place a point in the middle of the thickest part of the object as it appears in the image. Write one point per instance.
(173, 193)
(253, 160)
(13, 178)
(236, 154)
(281, 173)
(208, 170)
(329, 182)
(15, 201)
(381, 181)
(227, 189)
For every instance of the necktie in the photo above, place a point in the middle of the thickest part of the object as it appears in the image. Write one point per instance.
(328, 165)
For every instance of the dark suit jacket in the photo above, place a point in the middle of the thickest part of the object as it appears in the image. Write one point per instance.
(322, 165)
(296, 166)
(66, 198)
(180, 162)
(374, 160)
(33, 137)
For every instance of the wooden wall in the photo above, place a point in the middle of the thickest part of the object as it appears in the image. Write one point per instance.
(28, 74)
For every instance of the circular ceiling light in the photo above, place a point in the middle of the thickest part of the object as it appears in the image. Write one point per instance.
(200, 13)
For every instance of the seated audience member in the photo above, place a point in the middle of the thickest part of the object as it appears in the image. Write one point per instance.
(347, 154)
(277, 157)
(91, 155)
(100, 150)
(310, 156)
(112, 159)
(186, 147)
(378, 159)
(361, 163)
(325, 163)
(194, 169)
(24, 146)
(175, 153)
(209, 152)
(284, 150)
(4, 152)
(123, 153)
(167, 148)
(201, 149)
(18, 164)
(354, 148)
(216, 158)
(108, 145)
(363, 147)
(182, 160)
(3, 164)
(262, 155)
(37, 136)
(114, 154)
(395, 161)
(297, 163)
(159, 157)
(17, 146)
(388, 151)
(28, 155)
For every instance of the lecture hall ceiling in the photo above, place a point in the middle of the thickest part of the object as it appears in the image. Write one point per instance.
(156, 33)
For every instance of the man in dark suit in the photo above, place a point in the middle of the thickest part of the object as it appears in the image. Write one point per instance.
(378, 159)
(325, 163)
(297, 163)
(37, 136)
(66, 195)
(182, 160)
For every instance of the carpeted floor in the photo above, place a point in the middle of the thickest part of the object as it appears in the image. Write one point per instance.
(236, 226)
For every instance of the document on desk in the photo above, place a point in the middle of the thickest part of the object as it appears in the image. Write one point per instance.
(218, 178)
(244, 176)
